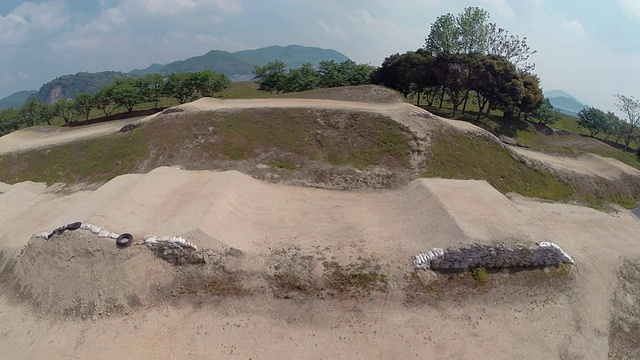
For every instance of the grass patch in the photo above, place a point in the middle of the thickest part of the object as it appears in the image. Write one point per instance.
(93, 161)
(480, 274)
(359, 278)
(284, 164)
(455, 155)
(203, 140)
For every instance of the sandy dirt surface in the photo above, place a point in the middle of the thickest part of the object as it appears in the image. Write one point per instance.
(512, 316)
(584, 164)
(279, 294)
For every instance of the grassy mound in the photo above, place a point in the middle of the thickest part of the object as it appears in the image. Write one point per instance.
(286, 139)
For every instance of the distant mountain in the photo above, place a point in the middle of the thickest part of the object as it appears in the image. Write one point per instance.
(16, 99)
(564, 102)
(154, 68)
(240, 64)
(68, 86)
(237, 66)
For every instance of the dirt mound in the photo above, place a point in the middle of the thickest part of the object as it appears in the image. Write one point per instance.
(365, 93)
(79, 275)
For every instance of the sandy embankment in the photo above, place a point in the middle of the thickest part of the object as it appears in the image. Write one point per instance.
(257, 218)
(511, 317)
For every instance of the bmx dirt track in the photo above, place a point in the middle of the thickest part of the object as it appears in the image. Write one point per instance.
(80, 297)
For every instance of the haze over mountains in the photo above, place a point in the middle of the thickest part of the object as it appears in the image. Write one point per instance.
(237, 66)
(564, 102)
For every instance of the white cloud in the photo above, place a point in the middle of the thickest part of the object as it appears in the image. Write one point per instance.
(632, 7)
(171, 7)
(500, 6)
(29, 19)
(333, 31)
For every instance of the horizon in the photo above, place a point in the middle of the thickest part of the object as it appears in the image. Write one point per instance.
(42, 40)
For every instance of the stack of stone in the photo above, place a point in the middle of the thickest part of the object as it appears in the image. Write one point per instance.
(175, 250)
(492, 256)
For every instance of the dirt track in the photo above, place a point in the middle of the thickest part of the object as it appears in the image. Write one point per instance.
(537, 315)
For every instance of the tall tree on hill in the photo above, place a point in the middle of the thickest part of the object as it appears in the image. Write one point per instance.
(409, 73)
(473, 29)
(444, 36)
(533, 102)
(630, 107)
(512, 47)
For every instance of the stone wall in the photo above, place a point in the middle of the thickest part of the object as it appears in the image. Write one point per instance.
(492, 256)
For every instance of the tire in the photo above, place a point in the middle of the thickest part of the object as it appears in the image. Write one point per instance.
(60, 230)
(124, 240)
(74, 226)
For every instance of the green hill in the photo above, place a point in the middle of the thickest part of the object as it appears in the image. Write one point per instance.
(68, 86)
(16, 99)
(239, 65)
(564, 102)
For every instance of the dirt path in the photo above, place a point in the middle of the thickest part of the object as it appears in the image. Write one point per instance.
(132, 313)
(510, 317)
(584, 164)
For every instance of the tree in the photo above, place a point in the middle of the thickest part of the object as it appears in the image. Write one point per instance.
(533, 102)
(514, 49)
(154, 87)
(179, 87)
(444, 36)
(9, 120)
(29, 113)
(472, 30)
(301, 79)
(411, 72)
(83, 105)
(595, 120)
(501, 86)
(545, 113)
(630, 107)
(126, 93)
(207, 83)
(612, 126)
(104, 100)
(64, 109)
(45, 113)
(271, 76)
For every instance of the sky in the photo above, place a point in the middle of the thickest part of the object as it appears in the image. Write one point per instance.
(588, 48)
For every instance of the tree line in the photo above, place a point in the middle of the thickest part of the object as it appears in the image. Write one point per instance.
(125, 93)
(275, 77)
(599, 122)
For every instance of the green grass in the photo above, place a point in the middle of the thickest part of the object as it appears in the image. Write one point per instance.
(92, 161)
(204, 139)
(455, 155)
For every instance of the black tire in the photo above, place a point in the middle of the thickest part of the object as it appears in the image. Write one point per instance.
(124, 241)
(74, 226)
(60, 230)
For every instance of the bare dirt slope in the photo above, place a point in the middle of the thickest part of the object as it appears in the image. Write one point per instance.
(315, 273)
(132, 302)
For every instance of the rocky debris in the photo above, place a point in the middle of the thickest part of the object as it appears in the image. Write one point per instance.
(492, 256)
(128, 127)
(175, 250)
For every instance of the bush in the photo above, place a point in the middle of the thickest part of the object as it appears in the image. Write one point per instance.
(480, 273)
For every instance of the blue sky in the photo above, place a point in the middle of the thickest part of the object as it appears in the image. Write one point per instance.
(589, 48)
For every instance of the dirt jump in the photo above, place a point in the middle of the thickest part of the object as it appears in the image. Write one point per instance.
(285, 271)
